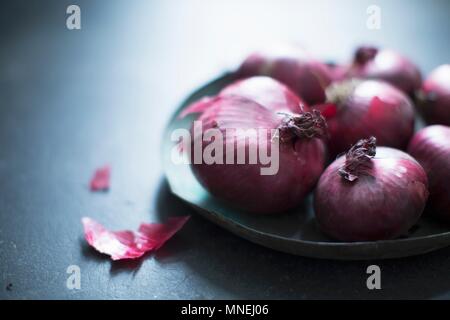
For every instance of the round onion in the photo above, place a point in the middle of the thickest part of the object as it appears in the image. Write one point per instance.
(267, 92)
(263, 90)
(387, 65)
(360, 109)
(294, 67)
(301, 152)
(431, 147)
(370, 194)
(337, 72)
(434, 96)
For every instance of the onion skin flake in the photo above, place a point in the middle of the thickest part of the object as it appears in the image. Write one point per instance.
(127, 244)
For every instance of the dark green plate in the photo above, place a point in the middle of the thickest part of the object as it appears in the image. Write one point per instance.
(295, 232)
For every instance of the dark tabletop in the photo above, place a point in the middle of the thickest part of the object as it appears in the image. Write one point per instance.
(71, 101)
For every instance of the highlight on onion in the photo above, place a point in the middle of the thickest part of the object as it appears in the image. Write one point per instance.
(358, 109)
(293, 66)
(370, 194)
(431, 147)
(264, 90)
(387, 65)
(293, 141)
(434, 97)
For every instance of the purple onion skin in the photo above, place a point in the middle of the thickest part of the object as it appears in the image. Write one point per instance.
(431, 147)
(383, 203)
(301, 161)
(435, 91)
(337, 72)
(386, 65)
(306, 76)
(265, 91)
(374, 108)
(268, 93)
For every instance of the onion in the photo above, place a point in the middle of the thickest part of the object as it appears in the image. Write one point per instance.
(301, 152)
(263, 90)
(431, 147)
(294, 67)
(435, 96)
(387, 65)
(360, 109)
(337, 72)
(370, 194)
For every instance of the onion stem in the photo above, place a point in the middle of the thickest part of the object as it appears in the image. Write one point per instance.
(357, 158)
(305, 125)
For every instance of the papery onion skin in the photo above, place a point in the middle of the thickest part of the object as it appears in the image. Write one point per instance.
(431, 147)
(387, 65)
(384, 202)
(434, 97)
(301, 159)
(293, 66)
(369, 108)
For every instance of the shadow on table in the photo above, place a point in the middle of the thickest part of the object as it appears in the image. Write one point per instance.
(246, 270)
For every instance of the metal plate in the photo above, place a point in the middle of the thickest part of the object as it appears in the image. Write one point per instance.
(295, 232)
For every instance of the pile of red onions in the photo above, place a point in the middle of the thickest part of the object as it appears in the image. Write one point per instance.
(359, 109)
(431, 147)
(370, 194)
(294, 67)
(386, 65)
(261, 103)
(434, 97)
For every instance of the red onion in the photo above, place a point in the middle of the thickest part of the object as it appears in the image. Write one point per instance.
(435, 96)
(387, 65)
(301, 152)
(337, 72)
(263, 90)
(292, 66)
(370, 194)
(360, 109)
(267, 92)
(431, 147)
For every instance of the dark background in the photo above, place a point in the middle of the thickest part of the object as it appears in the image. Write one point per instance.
(71, 101)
